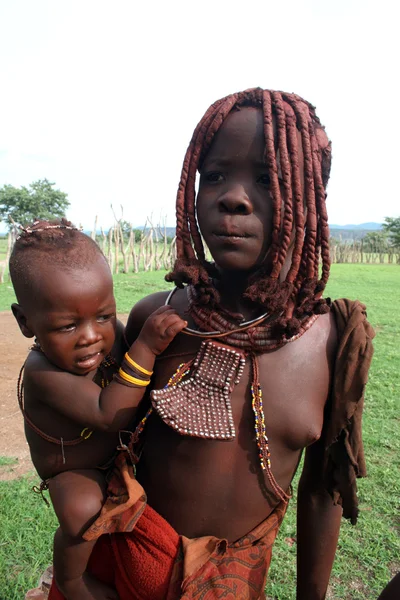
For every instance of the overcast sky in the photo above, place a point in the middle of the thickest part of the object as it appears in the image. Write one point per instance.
(102, 97)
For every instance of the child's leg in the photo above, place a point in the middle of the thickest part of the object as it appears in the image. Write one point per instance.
(392, 590)
(77, 497)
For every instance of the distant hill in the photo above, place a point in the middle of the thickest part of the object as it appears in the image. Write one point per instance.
(363, 226)
(170, 230)
(353, 232)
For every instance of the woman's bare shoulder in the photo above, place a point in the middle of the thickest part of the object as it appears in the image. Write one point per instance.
(146, 306)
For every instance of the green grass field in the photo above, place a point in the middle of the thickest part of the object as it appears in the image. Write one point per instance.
(368, 554)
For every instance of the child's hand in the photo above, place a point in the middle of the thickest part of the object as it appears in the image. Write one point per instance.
(160, 329)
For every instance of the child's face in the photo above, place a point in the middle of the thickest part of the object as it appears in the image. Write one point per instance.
(234, 203)
(73, 316)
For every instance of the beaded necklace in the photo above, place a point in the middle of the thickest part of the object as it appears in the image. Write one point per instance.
(200, 405)
(135, 437)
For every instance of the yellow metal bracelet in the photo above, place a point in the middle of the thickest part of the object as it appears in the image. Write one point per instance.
(134, 380)
(136, 366)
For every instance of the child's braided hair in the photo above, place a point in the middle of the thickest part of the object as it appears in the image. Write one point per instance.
(57, 242)
(295, 210)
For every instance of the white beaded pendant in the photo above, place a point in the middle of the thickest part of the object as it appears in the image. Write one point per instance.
(200, 406)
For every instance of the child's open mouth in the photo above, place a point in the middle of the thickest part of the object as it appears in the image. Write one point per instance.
(89, 361)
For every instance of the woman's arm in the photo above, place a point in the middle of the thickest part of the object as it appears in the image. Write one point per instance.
(318, 525)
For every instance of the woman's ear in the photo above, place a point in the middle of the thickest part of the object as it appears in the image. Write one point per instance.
(22, 321)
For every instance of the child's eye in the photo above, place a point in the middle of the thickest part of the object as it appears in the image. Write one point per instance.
(66, 328)
(213, 177)
(264, 179)
(104, 318)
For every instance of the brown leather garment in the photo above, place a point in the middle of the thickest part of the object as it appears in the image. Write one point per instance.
(345, 460)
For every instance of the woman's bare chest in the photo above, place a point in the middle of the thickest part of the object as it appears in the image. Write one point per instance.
(220, 391)
(223, 477)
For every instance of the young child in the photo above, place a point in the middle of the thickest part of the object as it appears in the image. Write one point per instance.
(73, 397)
(265, 369)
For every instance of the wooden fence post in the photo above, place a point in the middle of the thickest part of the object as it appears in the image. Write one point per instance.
(133, 250)
(94, 231)
(110, 253)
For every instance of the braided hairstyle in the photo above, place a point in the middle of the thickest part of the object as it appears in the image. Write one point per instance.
(55, 242)
(297, 213)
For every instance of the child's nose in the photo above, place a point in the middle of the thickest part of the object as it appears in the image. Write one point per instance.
(235, 201)
(89, 335)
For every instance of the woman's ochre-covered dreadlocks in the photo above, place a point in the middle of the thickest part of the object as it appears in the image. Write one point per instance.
(298, 213)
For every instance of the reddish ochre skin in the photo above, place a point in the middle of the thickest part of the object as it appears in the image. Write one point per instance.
(204, 487)
(71, 312)
(72, 318)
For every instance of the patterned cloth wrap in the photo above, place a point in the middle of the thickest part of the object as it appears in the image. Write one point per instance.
(146, 559)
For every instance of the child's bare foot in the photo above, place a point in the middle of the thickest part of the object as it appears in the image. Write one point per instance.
(88, 588)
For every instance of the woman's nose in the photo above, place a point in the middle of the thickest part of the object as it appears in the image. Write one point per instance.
(235, 201)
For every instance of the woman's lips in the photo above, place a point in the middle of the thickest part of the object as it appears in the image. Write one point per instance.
(231, 237)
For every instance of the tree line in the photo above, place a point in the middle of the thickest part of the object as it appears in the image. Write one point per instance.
(150, 248)
(374, 247)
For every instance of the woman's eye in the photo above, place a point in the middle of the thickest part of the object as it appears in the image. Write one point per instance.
(264, 179)
(213, 177)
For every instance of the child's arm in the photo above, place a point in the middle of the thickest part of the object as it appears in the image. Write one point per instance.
(110, 409)
(318, 525)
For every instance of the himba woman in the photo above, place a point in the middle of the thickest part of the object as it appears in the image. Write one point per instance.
(265, 369)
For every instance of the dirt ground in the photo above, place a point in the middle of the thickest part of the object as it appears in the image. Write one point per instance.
(13, 351)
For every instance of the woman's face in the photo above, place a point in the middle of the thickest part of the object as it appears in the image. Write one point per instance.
(234, 202)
